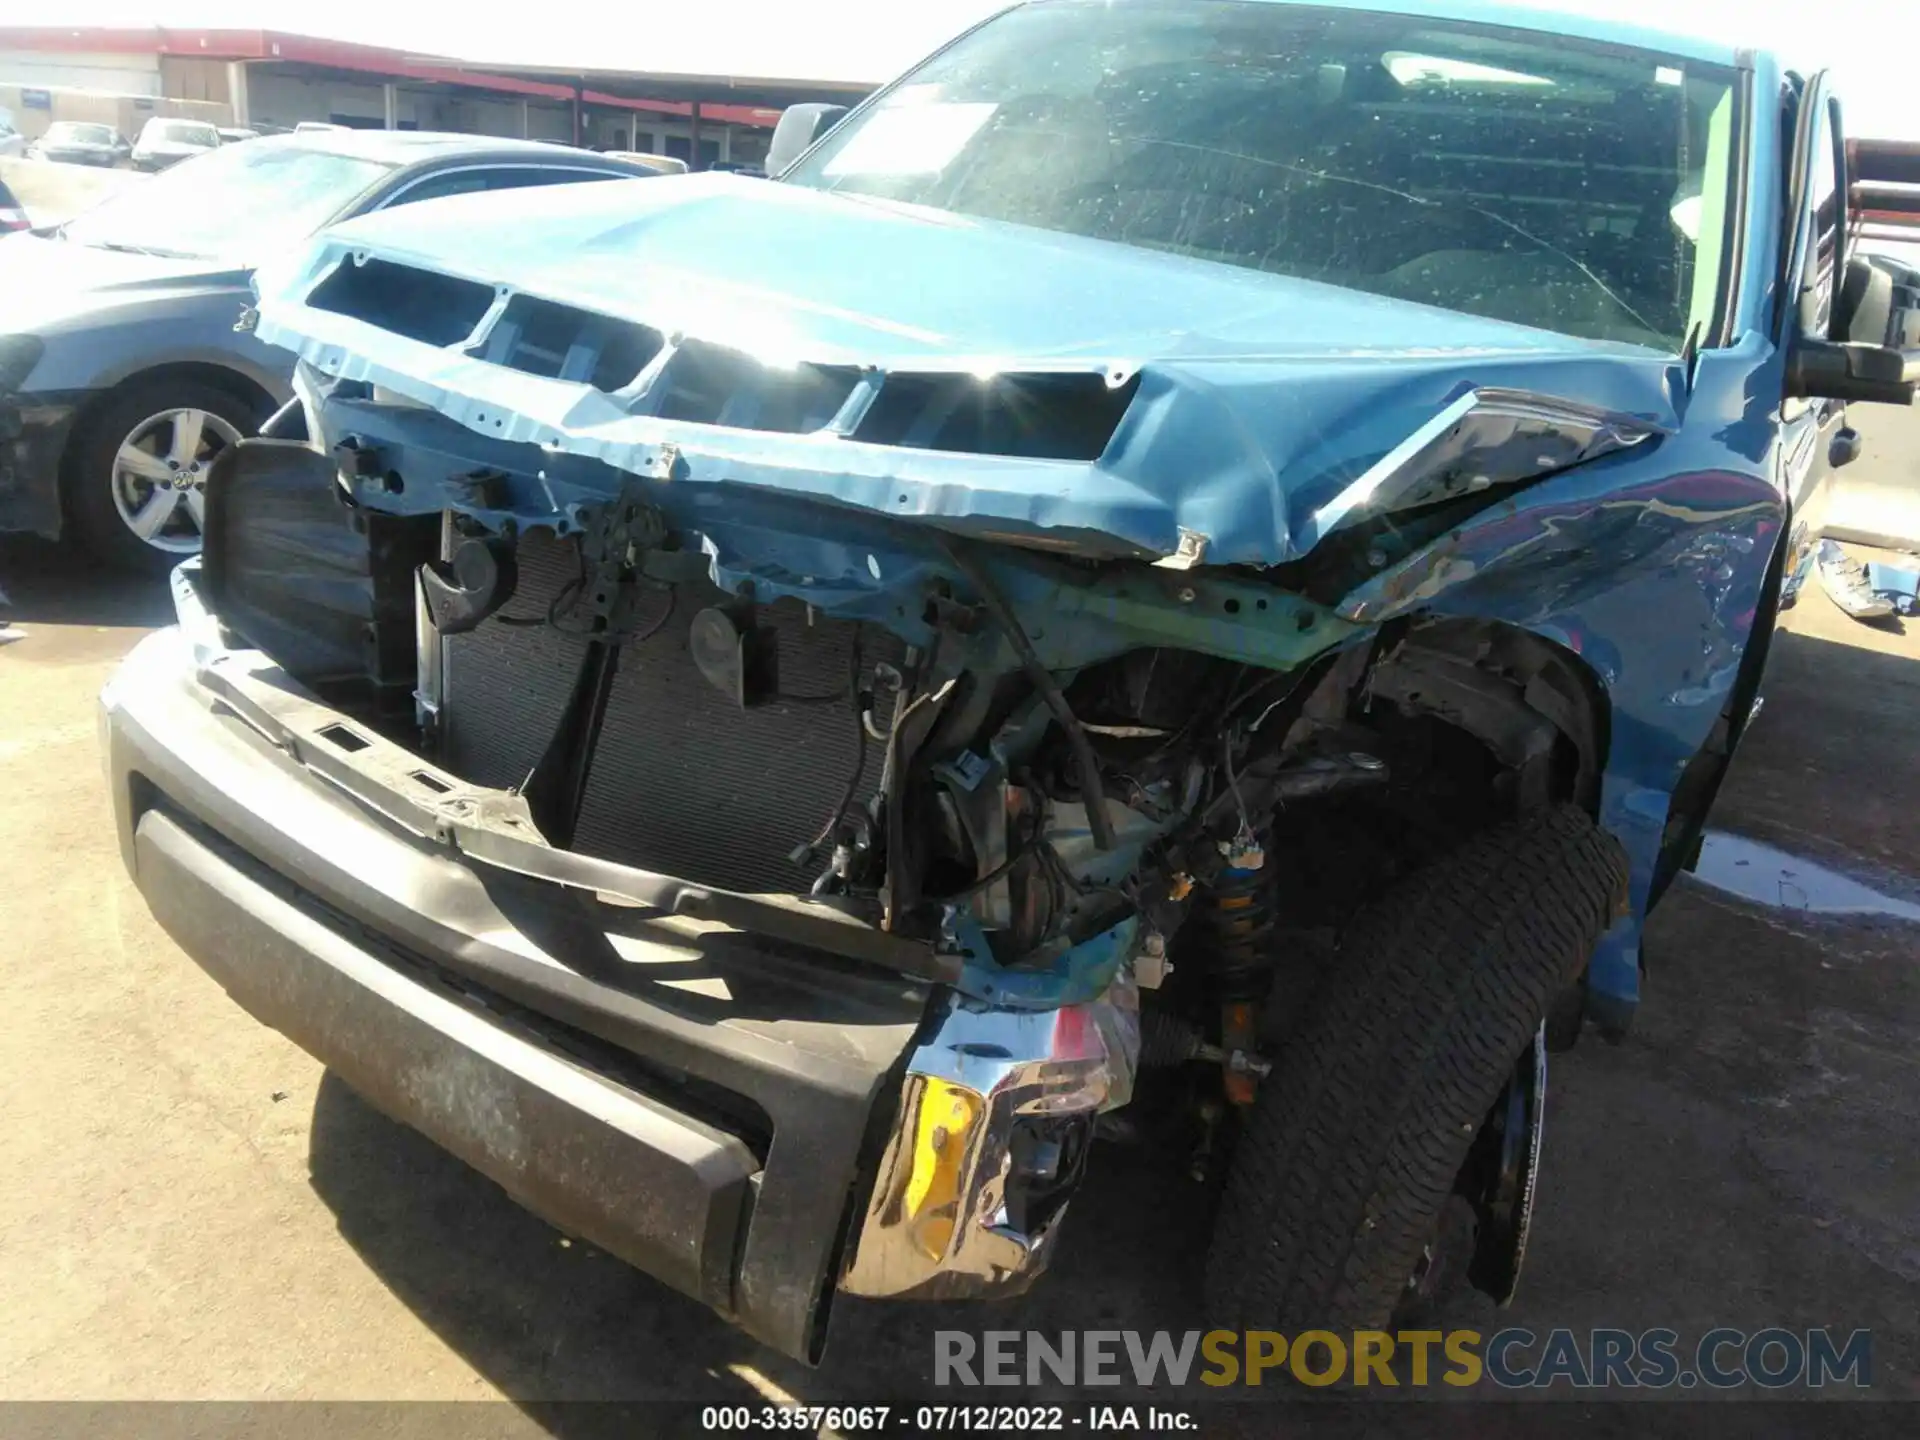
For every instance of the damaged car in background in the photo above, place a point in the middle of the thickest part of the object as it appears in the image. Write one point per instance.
(1164, 563)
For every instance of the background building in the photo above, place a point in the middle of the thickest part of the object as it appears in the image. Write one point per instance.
(268, 80)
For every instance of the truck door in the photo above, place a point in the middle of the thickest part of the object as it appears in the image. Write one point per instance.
(1813, 439)
(1814, 436)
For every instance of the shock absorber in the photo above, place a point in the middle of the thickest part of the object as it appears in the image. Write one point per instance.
(1238, 911)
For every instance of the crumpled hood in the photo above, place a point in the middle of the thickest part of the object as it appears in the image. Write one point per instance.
(45, 282)
(1261, 400)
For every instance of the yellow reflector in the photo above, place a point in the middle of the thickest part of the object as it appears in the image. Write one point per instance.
(943, 1131)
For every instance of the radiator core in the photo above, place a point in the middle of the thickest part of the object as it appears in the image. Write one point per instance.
(684, 781)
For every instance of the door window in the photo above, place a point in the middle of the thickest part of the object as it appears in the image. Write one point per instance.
(493, 177)
(1823, 257)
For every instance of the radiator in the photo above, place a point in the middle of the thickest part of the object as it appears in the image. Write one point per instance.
(684, 782)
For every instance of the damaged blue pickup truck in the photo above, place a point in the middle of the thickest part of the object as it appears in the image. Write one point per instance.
(1199, 557)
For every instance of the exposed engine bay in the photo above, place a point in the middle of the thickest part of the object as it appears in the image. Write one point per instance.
(1038, 809)
(1112, 804)
(1107, 802)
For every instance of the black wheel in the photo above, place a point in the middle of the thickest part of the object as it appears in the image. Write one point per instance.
(1343, 1187)
(137, 471)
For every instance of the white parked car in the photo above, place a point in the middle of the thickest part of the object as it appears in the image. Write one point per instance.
(165, 141)
(659, 164)
(72, 142)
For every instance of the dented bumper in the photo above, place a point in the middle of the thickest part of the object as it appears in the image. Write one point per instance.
(692, 1100)
(713, 1088)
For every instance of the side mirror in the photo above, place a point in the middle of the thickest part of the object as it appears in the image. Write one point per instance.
(799, 127)
(1876, 315)
(1824, 369)
(1879, 303)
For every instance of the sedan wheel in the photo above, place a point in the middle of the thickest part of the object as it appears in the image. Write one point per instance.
(135, 473)
(160, 476)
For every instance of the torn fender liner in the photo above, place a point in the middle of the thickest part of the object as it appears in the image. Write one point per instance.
(1055, 390)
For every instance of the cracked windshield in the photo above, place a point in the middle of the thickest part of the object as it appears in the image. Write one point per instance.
(1574, 187)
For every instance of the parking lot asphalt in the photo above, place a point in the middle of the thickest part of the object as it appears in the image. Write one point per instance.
(195, 1210)
(52, 192)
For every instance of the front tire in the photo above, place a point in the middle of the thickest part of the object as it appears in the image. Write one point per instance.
(136, 475)
(1346, 1166)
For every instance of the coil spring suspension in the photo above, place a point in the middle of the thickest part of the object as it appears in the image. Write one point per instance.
(1239, 911)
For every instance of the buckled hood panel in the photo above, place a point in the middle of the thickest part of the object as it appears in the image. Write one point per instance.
(1131, 401)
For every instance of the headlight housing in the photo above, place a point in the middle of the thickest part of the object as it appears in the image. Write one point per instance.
(18, 355)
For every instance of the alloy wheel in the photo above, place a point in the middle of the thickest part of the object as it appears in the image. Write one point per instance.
(160, 476)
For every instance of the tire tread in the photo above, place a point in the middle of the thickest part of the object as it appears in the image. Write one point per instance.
(1356, 1137)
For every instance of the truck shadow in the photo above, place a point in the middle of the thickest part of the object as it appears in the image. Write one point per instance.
(1827, 768)
(546, 1319)
(52, 584)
